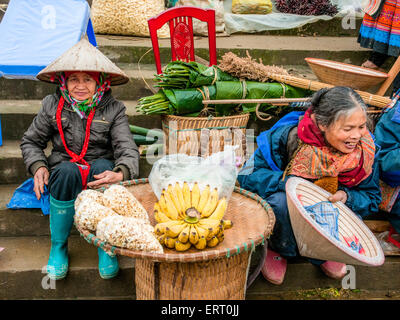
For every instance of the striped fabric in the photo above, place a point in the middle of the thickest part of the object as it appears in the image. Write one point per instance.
(382, 34)
(373, 7)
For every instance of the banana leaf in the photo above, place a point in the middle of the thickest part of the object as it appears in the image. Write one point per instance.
(189, 101)
(254, 90)
(183, 75)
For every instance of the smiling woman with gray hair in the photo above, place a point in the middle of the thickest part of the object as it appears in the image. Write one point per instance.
(329, 145)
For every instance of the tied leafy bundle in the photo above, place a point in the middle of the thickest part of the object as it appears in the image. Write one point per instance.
(189, 102)
(183, 75)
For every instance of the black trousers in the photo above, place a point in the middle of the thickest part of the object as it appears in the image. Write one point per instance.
(65, 182)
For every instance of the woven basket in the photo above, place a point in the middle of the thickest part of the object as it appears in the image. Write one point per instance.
(204, 136)
(311, 239)
(217, 273)
(343, 74)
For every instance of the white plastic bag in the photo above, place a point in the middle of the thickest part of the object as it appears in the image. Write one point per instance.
(200, 27)
(218, 170)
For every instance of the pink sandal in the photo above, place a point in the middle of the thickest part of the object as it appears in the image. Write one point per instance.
(274, 268)
(334, 270)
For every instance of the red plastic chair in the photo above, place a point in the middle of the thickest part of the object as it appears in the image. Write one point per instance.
(181, 30)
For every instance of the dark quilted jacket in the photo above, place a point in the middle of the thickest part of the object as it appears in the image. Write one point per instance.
(110, 137)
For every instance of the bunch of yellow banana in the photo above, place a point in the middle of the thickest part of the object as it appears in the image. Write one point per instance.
(189, 217)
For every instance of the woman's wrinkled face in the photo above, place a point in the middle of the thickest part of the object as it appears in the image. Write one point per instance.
(346, 132)
(81, 86)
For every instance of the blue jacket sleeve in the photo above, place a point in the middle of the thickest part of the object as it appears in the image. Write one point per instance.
(259, 178)
(387, 136)
(365, 198)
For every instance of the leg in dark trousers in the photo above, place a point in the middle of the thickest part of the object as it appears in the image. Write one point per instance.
(65, 182)
(99, 166)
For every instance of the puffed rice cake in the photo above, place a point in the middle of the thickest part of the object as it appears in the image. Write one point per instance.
(88, 194)
(90, 212)
(128, 232)
(123, 202)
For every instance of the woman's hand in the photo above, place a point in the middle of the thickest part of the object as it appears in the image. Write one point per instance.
(107, 177)
(40, 179)
(338, 196)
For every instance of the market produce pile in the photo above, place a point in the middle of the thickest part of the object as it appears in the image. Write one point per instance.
(307, 7)
(117, 217)
(184, 86)
(189, 218)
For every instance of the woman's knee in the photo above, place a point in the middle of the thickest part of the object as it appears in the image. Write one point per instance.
(65, 181)
(101, 165)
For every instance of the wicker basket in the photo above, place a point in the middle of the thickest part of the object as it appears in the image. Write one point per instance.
(313, 242)
(218, 273)
(343, 74)
(204, 136)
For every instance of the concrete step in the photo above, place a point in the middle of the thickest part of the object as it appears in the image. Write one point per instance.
(23, 260)
(13, 171)
(140, 85)
(272, 49)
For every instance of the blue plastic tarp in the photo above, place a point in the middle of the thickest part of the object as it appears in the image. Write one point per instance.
(33, 33)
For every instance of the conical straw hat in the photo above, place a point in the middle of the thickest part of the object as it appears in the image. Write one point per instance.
(83, 56)
(314, 242)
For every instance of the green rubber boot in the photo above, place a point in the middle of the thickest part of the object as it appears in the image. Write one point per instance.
(108, 266)
(61, 220)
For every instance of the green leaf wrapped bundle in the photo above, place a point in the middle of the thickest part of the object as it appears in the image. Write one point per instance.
(183, 75)
(254, 90)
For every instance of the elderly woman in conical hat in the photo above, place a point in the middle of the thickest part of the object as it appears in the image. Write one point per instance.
(91, 140)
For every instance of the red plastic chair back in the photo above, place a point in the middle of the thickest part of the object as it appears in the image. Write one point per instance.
(181, 30)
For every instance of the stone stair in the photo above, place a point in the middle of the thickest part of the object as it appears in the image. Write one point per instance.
(25, 233)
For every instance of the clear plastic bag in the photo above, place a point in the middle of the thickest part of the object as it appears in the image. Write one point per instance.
(218, 170)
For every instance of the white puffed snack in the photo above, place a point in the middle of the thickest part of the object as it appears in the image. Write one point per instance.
(130, 233)
(90, 212)
(88, 194)
(123, 202)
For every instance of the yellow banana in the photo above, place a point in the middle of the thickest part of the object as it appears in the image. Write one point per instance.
(201, 244)
(175, 200)
(179, 246)
(170, 242)
(179, 195)
(209, 223)
(161, 238)
(161, 216)
(162, 203)
(173, 212)
(195, 195)
(211, 204)
(193, 236)
(220, 230)
(160, 228)
(175, 230)
(221, 238)
(205, 194)
(213, 242)
(184, 235)
(186, 195)
(218, 214)
(227, 224)
(203, 232)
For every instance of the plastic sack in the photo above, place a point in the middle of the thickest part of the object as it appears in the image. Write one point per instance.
(126, 17)
(251, 6)
(251, 23)
(25, 198)
(218, 170)
(200, 27)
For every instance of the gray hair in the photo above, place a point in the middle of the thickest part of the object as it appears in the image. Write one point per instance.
(328, 105)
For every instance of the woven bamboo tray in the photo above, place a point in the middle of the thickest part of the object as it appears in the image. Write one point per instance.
(204, 136)
(311, 239)
(343, 74)
(214, 273)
